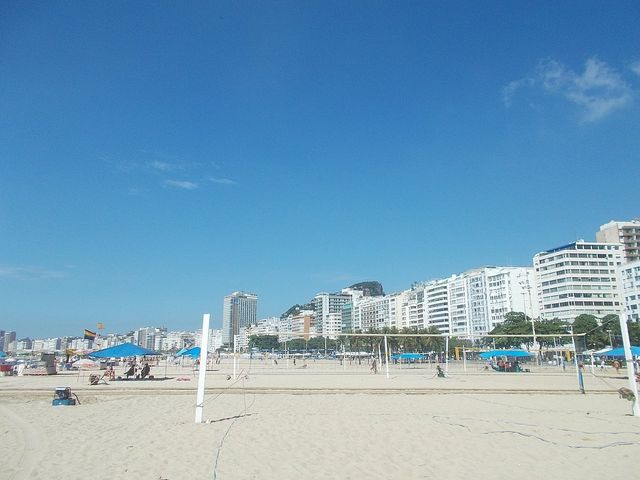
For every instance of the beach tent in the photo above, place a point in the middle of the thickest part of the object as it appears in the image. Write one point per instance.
(619, 352)
(2, 354)
(180, 352)
(192, 352)
(505, 353)
(122, 350)
(600, 352)
(407, 356)
(85, 363)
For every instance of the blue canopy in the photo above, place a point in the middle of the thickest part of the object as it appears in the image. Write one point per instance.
(407, 356)
(193, 352)
(2, 354)
(505, 353)
(180, 352)
(122, 350)
(619, 352)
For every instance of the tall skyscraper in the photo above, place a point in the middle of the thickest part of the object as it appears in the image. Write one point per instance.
(239, 311)
(626, 233)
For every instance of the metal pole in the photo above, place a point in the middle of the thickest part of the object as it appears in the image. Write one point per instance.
(386, 355)
(575, 361)
(235, 355)
(379, 356)
(464, 358)
(626, 343)
(202, 373)
(446, 356)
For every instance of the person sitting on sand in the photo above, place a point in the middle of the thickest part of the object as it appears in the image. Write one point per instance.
(145, 370)
(131, 372)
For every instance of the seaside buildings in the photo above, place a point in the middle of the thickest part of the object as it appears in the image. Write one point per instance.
(579, 278)
(239, 311)
(470, 303)
(625, 233)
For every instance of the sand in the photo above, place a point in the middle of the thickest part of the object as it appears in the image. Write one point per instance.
(322, 421)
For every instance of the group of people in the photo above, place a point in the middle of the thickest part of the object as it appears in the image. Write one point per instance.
(137, 372)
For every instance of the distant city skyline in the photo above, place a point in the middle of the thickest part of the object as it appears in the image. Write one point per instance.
(155, 158)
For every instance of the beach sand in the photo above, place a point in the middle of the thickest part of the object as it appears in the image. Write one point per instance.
(322, 421)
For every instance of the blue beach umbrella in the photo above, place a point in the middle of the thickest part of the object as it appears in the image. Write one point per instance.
(123, 350)
(192, 352)
(407, 356)
(505, 353)
(619, 352)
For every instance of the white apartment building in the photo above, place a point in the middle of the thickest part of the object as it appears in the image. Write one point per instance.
(239, 311)
(332, 325)
(302, 322)
(630, 280)
(328, 303)
(46, 345)
(579, 278)
(413, 309)
(471, 303)
(266, 326)
(626, 233)
(177, 340)
(377, 312)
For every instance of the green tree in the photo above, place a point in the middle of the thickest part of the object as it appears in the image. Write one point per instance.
(595, 337)
(549, 327)
(515, 323)
(264, 342)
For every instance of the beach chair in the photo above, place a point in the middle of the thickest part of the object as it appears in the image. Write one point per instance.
(95, 379)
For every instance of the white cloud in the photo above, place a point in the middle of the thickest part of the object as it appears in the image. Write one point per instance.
(183, 184)
(30, 273)
(164, 166)
(598, 91)
(635, 67)
(223, 181)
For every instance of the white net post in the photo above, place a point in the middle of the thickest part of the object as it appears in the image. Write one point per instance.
(202, 373)
(386, 355)
(235, 355)
(630, 370)
(446, 356)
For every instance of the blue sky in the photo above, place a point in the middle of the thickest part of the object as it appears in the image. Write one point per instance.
(156, 156)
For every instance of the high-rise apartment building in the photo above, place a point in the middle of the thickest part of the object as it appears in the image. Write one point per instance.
(626, 233)
(473, 302)
(327, 303)
(8, 341)
(376, 312)
(579, 278)
(630, 279)
(239, 311)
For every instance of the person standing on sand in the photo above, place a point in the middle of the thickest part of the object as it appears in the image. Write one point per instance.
(616, 365)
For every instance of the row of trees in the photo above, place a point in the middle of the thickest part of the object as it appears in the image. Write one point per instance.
(599, 333)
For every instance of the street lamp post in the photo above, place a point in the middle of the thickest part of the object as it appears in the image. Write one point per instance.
(527, 286)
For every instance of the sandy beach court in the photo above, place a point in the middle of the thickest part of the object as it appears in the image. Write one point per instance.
(322, 423)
